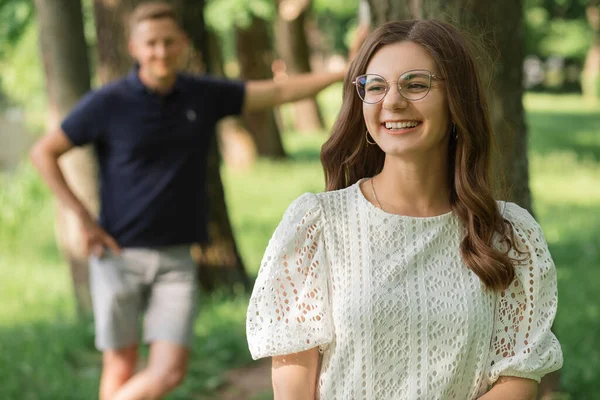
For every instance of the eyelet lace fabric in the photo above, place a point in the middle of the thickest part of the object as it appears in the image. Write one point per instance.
(391, 306)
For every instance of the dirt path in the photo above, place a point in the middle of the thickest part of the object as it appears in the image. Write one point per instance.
(252, 382)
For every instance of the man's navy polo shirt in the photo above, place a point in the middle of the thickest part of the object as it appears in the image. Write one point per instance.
(152, 152)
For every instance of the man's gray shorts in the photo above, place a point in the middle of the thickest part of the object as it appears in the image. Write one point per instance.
(160, 283)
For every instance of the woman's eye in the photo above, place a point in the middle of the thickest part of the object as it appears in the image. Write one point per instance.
(376, 88)
(417, 86)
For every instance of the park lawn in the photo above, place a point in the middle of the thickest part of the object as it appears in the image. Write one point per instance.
(46, 353)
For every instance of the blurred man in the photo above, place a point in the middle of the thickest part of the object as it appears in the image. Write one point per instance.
(151, 131)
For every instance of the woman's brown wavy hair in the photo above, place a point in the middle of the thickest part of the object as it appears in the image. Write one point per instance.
(346, 157)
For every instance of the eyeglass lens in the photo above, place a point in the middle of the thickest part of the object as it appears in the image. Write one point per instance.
(412, 85)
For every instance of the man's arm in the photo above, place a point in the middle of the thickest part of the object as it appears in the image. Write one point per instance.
(512, 388)
(295, 375)
(44, 155)
(265, 94)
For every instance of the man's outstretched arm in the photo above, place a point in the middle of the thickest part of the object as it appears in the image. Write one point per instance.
(265, 94)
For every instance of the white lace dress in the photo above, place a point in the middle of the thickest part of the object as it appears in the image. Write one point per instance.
(392, 307)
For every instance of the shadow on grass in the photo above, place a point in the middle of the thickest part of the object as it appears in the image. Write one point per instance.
(565, 131)
(48, 360)
(306, 155)
(57, 360)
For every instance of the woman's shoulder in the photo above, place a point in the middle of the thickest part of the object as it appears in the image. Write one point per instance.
(515, 213)
(318, 201)
(333, 196)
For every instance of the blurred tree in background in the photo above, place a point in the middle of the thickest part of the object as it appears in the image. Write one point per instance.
(64, 56)
(567, 34)
(291, 24)
(255, 56)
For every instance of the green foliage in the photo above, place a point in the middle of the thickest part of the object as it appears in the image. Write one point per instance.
(15, 17)
(551, 36)
(22, 197)
(565, 166)
(337, 21)
(339, 8)
(22, 78)
(22, 74)
(223, 16)
(557, 27)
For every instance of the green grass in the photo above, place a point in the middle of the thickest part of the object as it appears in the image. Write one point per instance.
(46, 353)
(565, 181)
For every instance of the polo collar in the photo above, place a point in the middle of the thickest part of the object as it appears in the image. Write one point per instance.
(133, 78)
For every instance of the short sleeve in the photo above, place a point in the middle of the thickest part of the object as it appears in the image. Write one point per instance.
(85, 123)
(225, 95)
(522, 342)
(289, 309)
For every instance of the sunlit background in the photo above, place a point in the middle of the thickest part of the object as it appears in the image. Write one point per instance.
(46, 350)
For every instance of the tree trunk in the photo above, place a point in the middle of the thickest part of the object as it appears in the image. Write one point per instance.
(591, 69)
(219, 262)
(488, 20)
(112, 17)
(502, 25)
(292, 47)
(255, 56)
(236, 144)
(66, 66)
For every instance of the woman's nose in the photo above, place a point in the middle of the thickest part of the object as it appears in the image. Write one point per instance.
(394, 100)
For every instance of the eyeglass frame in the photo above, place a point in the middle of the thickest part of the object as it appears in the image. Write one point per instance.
(398, 87)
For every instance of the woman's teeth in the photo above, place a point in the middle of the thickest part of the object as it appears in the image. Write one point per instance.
(401, 125)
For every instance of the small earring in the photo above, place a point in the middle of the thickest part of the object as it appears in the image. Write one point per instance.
(454, 131)
(367, 137)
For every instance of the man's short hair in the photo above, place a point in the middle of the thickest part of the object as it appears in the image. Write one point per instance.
(152, 10)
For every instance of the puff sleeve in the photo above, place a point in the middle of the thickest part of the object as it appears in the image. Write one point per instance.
(522, 344)
(289, 309)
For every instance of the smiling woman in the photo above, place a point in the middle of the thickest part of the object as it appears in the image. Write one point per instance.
(412, 115)
(407, 279)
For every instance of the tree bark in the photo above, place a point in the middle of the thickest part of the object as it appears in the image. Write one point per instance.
(292, 47)
(66, 67)
(255, 57)
(236, 144)
(219, 262)
(490, 21)
(112, 18)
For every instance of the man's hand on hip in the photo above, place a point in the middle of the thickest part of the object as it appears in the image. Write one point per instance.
(96, 239)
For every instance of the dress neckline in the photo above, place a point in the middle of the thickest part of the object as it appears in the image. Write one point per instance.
(386, 214)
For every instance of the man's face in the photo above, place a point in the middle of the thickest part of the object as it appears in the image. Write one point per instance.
(157, 45)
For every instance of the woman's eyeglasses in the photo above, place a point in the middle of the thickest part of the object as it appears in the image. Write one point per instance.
(412, 85)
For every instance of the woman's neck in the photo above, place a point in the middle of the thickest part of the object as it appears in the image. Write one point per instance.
(412, 188)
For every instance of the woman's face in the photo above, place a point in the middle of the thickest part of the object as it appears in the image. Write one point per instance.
(404, 127)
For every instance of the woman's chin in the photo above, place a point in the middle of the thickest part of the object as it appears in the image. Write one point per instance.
(397, 151)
